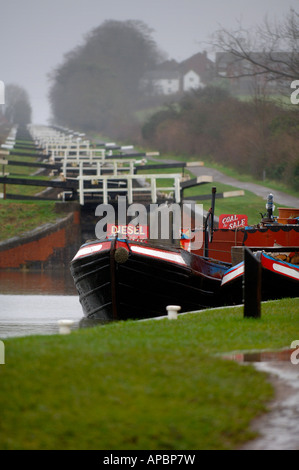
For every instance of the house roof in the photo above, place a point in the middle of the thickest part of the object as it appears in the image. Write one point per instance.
(199, 62)
(172, 70)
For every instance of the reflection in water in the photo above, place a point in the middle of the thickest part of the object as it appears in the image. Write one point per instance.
(32, 302)
(56, 282)
(23, 315)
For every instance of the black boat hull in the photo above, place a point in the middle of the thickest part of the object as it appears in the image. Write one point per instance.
(118, 280)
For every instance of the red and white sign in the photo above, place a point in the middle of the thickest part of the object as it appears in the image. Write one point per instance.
(132, 232)
(231, 221)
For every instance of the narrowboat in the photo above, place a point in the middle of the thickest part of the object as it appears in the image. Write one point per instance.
(279, 274)
(120, 279)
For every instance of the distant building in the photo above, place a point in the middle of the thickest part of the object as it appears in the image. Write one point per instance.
(161, 82)
(197, 71)
(244, 76)
(191, 80)
(172, 77)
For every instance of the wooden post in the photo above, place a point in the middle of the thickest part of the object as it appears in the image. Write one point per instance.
(153, 190)
(130, 191)
(177, 190)
(105, 190)
(3, 163)
(252, 284)
(81, 190)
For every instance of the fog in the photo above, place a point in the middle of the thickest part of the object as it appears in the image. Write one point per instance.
(35, 35)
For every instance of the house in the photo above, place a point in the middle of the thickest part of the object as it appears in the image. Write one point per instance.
(161, 82)
(196, 72)
(171, 77)
(191, 80)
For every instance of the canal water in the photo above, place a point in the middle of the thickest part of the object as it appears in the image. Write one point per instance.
(33, 302)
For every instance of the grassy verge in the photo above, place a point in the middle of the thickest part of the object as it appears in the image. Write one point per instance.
(23, 216)
(24, 190)
(273, 184)
(27, 156)
(249, 204)
(14, 170)
(19, 217)
(141, 385)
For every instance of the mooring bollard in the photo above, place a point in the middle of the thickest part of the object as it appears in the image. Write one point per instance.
(65, 326)
(172, 311)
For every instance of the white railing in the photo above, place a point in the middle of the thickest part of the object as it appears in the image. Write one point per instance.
(78, 155)
(98, 166)
(100, 184)
(86, 155)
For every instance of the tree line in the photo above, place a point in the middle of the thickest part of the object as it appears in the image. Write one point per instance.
(259, 137)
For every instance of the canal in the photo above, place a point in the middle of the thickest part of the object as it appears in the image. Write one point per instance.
(32, 302)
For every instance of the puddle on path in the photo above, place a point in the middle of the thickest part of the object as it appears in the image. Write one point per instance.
(279, 428)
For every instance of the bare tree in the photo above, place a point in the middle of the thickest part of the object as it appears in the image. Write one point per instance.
(270, 51)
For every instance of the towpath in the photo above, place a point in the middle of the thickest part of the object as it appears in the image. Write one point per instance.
(279, 427)
(262, 191)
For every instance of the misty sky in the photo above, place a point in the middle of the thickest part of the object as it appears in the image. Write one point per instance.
(35, 34)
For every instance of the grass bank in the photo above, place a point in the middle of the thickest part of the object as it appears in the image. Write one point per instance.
(209, 162)
(20, 217)
(141, 385)
(271, 184)
(249, 204)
